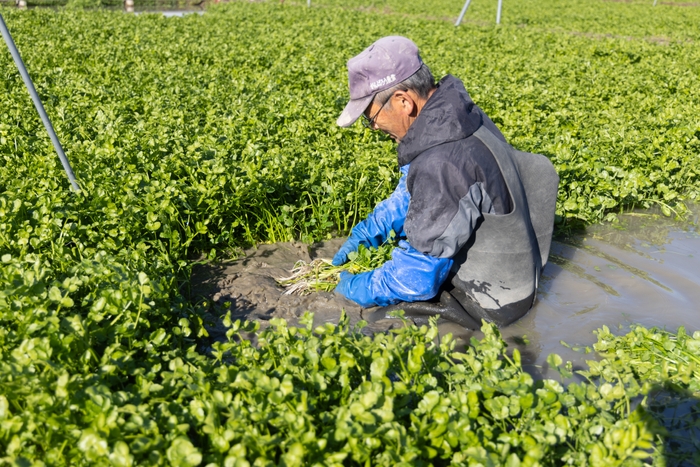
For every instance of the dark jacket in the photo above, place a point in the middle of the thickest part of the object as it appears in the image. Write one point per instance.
(449, 167)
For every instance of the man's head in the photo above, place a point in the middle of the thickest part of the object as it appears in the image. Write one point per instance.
(389, 84)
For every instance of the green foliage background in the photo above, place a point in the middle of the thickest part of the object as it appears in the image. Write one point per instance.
(206, 133)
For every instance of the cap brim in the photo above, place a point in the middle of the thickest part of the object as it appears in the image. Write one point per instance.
(353, 110)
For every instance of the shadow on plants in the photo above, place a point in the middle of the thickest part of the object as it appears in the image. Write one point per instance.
(676, 412)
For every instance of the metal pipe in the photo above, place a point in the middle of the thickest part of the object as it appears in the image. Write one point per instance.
(37, 103)
(498, 12)
(464, 10)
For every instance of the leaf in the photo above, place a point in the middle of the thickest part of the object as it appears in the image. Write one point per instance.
(120, 455)
(182, 453)
(378, 368)
(554, 360)
(55, 294)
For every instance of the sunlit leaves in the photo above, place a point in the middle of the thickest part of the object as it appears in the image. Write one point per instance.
(194, 136)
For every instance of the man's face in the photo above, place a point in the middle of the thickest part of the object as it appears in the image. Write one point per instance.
(396, 116)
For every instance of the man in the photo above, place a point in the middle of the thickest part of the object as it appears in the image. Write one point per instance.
(475, 216)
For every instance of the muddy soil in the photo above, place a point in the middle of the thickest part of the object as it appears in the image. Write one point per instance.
(247, 288)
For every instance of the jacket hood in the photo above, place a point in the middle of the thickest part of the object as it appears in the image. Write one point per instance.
(449, 115)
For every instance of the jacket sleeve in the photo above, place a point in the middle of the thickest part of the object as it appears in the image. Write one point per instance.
(409, 276)
(446, 206)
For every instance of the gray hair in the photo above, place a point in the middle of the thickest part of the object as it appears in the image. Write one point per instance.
(421, 82)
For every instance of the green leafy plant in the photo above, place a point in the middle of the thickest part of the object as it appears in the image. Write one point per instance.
(654, 355)
(191, 137)
(669, 365)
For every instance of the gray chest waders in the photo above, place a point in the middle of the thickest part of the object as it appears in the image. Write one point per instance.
(495, 275)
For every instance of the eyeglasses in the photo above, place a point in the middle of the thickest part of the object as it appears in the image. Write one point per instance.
(368, 122)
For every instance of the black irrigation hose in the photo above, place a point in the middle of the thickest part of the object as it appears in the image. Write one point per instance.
(37, 103)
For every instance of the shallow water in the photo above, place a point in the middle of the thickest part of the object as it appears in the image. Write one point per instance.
(644, 269)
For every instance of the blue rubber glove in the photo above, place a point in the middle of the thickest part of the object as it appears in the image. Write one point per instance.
(410, 276)
(388, 215)
(350, 245)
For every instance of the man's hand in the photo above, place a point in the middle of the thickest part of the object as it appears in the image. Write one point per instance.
(355, 287)
(350, 245)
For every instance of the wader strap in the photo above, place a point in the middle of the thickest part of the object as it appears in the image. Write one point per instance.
(511, 175)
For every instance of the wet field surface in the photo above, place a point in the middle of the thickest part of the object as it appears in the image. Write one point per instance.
(644, 269)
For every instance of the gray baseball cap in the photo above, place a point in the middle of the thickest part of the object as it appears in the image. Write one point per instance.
(380, 66)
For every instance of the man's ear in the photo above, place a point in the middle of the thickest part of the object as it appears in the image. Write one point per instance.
(404, 102)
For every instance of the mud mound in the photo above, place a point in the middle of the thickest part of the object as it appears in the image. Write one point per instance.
(247, 288)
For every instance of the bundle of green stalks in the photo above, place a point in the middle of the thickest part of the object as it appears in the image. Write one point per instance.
(320, 275)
